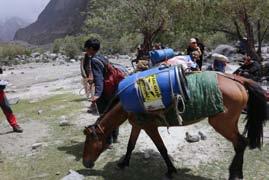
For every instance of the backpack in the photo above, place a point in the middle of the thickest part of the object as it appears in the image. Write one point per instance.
(112, 77)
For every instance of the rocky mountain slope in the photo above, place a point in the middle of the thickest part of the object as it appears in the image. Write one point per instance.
(9, 27)
(58, 19)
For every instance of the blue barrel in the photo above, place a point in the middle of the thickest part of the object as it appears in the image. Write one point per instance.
(150, 90)
(158, 56)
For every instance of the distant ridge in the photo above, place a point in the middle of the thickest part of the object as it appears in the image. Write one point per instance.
(58, 19)
(9, 27)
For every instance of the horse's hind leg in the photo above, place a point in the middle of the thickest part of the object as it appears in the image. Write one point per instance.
(226, 125)
(236, 167)
(235, 99)
(131, 145)
(156, 138)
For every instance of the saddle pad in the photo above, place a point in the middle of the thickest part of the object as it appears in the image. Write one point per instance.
(205, 96)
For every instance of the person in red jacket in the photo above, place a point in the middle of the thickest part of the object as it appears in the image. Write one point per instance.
(11, 118)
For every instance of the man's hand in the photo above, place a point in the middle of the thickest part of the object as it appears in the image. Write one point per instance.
(88, 80)
(94, 98)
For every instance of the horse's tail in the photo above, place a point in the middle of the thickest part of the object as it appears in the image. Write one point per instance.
(256, 114)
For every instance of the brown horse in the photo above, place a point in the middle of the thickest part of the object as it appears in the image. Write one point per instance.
(237, 92)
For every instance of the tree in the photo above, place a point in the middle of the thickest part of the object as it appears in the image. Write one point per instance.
(235, 18)
(148, 17)
(118, 17)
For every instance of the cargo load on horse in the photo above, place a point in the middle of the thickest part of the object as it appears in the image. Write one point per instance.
(168, 57)
(153, 89)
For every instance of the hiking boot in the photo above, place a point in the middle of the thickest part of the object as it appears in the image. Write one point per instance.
(17, 129)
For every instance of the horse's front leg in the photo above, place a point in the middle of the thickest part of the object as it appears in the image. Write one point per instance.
(156, 138)
(131, 145)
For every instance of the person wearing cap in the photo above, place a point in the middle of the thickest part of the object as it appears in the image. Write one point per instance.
(193, 46)
(219, 63)
(11, 118)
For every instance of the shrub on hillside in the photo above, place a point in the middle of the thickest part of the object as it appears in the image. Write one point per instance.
(70, 45)
(12, 50)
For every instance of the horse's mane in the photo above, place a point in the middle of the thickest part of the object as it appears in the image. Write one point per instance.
(113, 117)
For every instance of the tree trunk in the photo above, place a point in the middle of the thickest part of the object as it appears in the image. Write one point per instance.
(259, 51)
(147, 43)
(149, 35)
(250, 38)
(239, 35)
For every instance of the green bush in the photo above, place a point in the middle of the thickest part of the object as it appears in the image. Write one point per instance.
(56, 46)
(70, 45)
(12, 50)
(215, 39)
(122, 45)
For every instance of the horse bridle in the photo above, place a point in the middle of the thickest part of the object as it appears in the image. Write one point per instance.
(92, 130)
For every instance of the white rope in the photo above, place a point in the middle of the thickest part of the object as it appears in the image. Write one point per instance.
(178, 112)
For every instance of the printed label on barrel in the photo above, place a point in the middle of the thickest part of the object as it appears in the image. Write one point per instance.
(150, 90)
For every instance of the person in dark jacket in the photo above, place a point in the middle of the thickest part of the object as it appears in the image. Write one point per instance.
(250, 69)
(97, 64)
(202, 49)
(243, 43)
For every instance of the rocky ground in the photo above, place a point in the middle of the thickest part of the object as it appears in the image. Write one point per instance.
(50, 94)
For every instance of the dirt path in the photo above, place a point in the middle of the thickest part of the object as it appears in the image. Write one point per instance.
(34, 82)
(38, 82)
(21, 144)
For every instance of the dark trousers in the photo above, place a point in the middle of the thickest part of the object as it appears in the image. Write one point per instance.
(102, 106)
(200, 63)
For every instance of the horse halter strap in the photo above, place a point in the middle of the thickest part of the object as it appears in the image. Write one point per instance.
(93, 128)
(100, 128)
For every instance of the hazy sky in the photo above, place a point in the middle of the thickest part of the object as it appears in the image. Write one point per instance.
(26, 9)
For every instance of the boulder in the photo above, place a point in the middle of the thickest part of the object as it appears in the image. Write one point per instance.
(73, 175)
(226, 50)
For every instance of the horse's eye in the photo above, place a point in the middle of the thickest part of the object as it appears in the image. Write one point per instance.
(94, 135)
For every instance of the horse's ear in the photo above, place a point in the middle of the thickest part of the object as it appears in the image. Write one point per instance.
(85, 131)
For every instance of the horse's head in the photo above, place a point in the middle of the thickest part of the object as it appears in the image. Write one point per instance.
(96, 134)
(95, 144)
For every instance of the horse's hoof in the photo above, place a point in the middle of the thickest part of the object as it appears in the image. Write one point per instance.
(169, 174)
(236, 178)
(172, 170)
(166, 178)
(122, 165)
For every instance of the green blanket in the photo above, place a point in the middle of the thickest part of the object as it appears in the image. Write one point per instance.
(205, 100)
